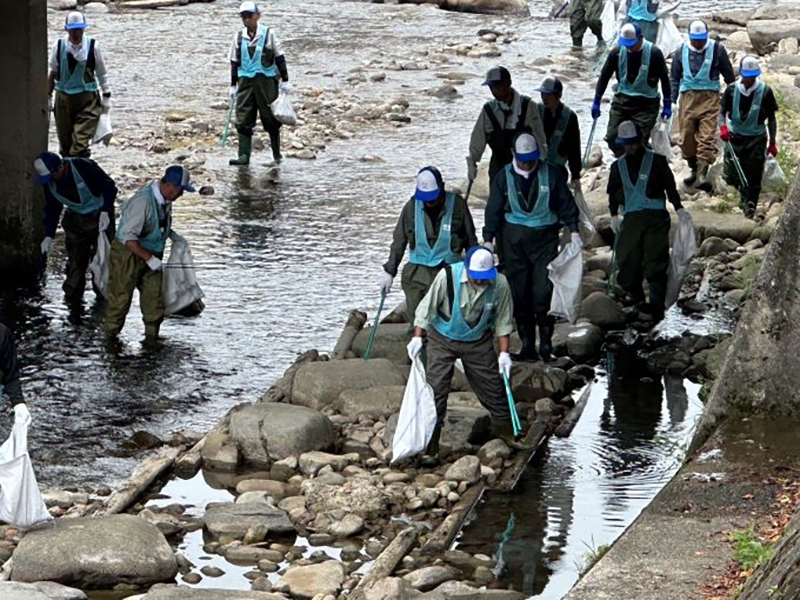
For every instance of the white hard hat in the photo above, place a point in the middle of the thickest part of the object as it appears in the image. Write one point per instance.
(75, 20)
(750, 67)
(480, 264)
(526, 149)
(248, 7)
(698, 30)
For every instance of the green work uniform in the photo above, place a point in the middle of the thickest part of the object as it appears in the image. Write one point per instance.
(583, 15)
(642, 245)
(417, 278)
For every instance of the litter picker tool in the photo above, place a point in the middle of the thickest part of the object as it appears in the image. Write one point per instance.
(375, 326)
(469, 191)
(561, 10)
(737, 164)
(512, 406)
(589, 143)
(227, 125)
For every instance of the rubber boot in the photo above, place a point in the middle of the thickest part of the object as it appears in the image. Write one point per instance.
(747, 205)
(151, 332)
(703, 183)
(546, 326)
(504, 430)
(245, 148)
(275, 144)
(577, 44)
(693, 176)
(527, 333)
(431, 458)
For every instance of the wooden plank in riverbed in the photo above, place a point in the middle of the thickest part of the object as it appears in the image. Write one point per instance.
(441, 539)
(537, 435)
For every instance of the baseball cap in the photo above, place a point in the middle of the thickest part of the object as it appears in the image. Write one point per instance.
(75, 20)
(749, 67)
(497, 75)
(248, 7)
(629, 35)
(526, 149)
(480, 263)
(429, 184)
(698, 30)
(627, 133)
(551, 85)
(178, 175)
(45, 165)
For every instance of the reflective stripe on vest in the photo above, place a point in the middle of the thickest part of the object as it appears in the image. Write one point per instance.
(250, 66)
(156, 240)
(636, 196)
(554, 142)
(74, 83)
(750, 125)
(457, 328)
(702, 80)
(640, 86)
(541, 216)
(639, 11)
(89, 202)
(422, 253)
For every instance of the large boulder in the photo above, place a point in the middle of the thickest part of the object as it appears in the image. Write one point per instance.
(359, 496)
(516, 7)
(532, 381)
(765, 35)
(722, 225)
(377, 401)
(308, 581)
(267, 431)
(95, 553)
(390, 342)
(458, 590)
(184, 593)
(602, 311)
(42, 590)
(584, 341)
(233, 520)
(319, 384)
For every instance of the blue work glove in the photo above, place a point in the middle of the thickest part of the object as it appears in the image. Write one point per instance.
(667, 112)
(596, 107)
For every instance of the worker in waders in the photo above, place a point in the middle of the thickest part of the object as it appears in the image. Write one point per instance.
(639, 185)
(528, 204)
(696, 69)
(145, 223)
(257, 62)
(562, 130)
(468, 305)
(639, 67)
(437, 227)
(643, 14)
(9, 374)
(77, 73)
(500, 121)
(88, 193)
(583, 15)
(749, 129)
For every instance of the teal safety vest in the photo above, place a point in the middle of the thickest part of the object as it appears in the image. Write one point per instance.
(701, 82)
(750, 125)
(89, 202)
(457, 328)
(75, 82)
(541, 215)
(639, 87)
(156, 240)
(422, 253)
(636, 196)
(553, 144)
(640, 12)
(250, 66)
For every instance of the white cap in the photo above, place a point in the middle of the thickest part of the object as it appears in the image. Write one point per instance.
(627, 133)
(628, 36)
(526, 149)
(750, 67)
(480, 264)
(75, 20)
(427, 186)
(698, 30)
(248, 7)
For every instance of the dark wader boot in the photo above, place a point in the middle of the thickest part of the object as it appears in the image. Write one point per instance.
(253, 100)
(693, 166)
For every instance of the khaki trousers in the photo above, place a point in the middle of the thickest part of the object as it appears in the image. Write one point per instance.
(698, 113)
(128, 272)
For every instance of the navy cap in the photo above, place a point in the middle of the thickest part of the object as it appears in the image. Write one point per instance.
(497, 75)
(551, 85)
(179, 176)
(45, 165)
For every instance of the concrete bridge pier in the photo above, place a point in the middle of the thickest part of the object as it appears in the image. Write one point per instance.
(23, 134)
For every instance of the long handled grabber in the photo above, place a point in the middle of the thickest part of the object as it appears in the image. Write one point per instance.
(469, 191)
(512, 406)
(228, 124)
(737, 164)
(589, 143)
(375, 326)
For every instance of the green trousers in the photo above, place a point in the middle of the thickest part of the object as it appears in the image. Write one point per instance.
(81, 241)
(76, 121)
(585, 14)
(643, 112)
(642, 252)
(253, 99)
(416, 281)
(751, 152)
(128, 272)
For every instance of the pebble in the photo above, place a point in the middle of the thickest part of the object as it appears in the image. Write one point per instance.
(192, 578)
(212, 571)
(206, 190)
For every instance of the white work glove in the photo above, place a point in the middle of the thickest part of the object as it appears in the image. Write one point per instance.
(21, 413)
(575, 238)
(414, 347)
(489, 246)
(232, 93)
(683, 216)
(285, 88)
(46, 243)
(616, 223)
(472, 169)
(105, 102)
(155, 263)
(104, 222)
(504, 362)
(386, 283)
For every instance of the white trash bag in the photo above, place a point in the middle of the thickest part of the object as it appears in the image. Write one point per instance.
(669, 37)
(585, 223)
(417, 418)
(21, 502)
(283, 110)
(566, 273)
(684, 247)
(609, 22)
(103, 134)
(659, 138)
(181, 289)
(774, 177)
(99, 265)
